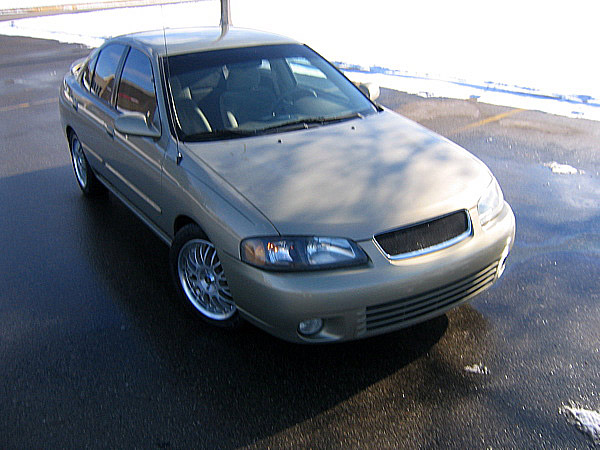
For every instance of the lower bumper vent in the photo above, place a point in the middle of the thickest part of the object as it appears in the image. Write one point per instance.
(409, 310)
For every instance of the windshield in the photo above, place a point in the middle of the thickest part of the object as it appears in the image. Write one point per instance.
(255, 90)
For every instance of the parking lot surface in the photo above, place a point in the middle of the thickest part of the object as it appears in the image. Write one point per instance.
(95, 352)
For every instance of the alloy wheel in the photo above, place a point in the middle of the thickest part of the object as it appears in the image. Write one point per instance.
(203, 280)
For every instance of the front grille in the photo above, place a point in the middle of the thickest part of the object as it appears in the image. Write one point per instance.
(425, 237)
(409, 309)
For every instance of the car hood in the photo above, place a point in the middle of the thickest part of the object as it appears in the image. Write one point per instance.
(350, 179)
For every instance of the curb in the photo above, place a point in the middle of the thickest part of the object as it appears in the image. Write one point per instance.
(33, 11)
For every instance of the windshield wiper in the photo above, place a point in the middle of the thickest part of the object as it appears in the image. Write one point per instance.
(229, 133)
(308, 121)
(354, 115)
(226, 133)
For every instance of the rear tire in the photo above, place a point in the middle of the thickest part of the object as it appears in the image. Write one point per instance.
(199, 278)
(86, 179)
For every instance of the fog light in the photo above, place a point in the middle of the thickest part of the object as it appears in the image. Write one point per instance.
(310, 326)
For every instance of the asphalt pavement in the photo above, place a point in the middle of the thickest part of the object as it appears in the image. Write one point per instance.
(95, 352)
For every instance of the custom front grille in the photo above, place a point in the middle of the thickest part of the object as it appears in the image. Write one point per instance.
(425, 237)
(408, 310)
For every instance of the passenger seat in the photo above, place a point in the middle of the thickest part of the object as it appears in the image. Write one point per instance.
(244, 100)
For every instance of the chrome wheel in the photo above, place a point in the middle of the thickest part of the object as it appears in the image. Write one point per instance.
(203, 280)
(79, 163)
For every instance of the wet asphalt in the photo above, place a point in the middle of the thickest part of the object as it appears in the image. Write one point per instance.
(94, 351)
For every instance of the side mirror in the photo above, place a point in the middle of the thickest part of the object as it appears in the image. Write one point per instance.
(371, 90)
(135, 125)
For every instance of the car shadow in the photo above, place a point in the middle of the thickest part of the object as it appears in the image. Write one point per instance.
(245, 377)
(117, 341)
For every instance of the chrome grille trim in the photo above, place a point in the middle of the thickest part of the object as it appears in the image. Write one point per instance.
(411, 308)
(433, 248)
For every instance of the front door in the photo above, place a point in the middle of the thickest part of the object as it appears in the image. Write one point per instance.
(137, 161)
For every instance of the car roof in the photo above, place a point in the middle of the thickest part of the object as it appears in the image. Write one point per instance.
(188, 40)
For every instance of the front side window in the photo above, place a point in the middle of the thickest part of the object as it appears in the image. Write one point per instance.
(136, 88)
(103, 82)
(256, 90)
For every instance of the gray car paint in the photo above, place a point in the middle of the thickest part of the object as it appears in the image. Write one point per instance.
(351, 179)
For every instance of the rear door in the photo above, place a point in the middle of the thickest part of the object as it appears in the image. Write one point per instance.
(96, 108)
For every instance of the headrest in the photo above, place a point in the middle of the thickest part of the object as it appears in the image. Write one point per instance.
(243, 77)
(178, 90)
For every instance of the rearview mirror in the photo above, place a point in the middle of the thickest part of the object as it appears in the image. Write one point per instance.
(135, 125)
(371, 90)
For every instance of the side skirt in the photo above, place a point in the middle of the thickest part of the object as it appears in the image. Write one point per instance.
(160, 233)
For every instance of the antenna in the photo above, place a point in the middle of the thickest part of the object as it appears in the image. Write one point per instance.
(167, 83)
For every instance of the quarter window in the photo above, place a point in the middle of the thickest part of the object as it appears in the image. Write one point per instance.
(103, 83)
(88, 72)
(136, 88)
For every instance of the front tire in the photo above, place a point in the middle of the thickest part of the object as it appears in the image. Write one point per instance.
(199, 278)
(86, 179)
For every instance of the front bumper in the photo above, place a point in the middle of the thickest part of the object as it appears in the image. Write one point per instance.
(377, 298)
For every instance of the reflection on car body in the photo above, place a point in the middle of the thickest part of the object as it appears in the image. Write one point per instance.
(288, 198)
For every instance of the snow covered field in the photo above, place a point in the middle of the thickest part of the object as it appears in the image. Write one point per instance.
(532, 54)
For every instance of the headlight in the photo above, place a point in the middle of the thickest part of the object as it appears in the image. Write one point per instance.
(491, 202)
(298, 253)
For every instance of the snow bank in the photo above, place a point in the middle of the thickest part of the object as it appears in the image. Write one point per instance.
(444, 49)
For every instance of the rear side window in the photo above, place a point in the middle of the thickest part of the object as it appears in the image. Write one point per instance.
(103, 82)
(136, 89)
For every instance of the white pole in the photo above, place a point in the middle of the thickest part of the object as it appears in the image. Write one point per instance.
(225, 16)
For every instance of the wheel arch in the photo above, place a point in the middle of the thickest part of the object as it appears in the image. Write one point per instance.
(69, 131)
(183, 220)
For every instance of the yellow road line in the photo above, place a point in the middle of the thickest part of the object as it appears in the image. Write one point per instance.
(489, 120)
(46, 101)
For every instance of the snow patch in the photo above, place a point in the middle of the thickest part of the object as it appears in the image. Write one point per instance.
(587, 421)
(479, 369)
(563, 169)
